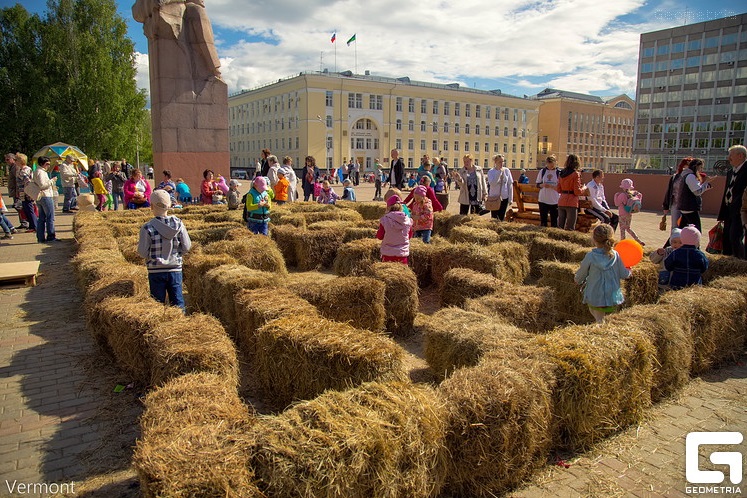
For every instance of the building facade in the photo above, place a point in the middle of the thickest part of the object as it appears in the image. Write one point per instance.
(338, 116)
(598, 131)
(692, 93)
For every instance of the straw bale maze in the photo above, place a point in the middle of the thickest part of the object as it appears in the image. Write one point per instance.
(306, 368)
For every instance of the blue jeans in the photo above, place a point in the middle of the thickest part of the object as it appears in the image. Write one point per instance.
(28, 210)
(118, 198)
(5, 223)
(71, 198)
(46, 219)
(168, 282)
(424, 234)
(258, 227)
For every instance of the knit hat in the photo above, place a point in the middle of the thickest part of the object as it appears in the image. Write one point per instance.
(690, 236)
(626, 184)
(260, 184)
(160, 202)
(420, 190)
(676, 234)
(393, 200)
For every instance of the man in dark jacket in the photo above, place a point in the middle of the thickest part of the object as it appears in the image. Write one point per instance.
(731, 203)
(397, 171)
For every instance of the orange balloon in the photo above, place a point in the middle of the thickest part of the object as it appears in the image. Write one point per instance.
(630, 251)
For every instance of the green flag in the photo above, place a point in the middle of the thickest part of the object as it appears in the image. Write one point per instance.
(351, 40)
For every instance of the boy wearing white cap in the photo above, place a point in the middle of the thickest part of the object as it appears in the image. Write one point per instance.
(234, 196)
(163, 242)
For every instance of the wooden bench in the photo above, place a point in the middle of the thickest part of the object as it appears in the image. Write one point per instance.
(527, 208)
(25, 270)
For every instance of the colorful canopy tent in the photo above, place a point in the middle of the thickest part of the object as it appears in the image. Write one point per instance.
(58, 151)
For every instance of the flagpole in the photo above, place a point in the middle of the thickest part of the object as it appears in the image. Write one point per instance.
(335, 57)
(356, 56)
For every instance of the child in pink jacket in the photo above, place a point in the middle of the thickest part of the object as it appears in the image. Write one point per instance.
(394, 232)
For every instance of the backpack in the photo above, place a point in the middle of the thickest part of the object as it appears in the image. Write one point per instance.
(633, 205)
(244, 213)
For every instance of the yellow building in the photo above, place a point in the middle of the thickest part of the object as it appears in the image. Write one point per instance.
(336, 116)
(598, 131)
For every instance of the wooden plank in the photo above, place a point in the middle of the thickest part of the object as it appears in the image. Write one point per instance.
(25, 270)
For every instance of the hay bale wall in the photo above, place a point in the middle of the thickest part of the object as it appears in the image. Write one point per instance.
(461, 284)
(356, 257)
(643, 285)
(303, 356)
(529, 307)
(355, 300)
(479, 258)
(498, 424)
(380, 439)
(316, 249)
(401, 301)
(196, 265)
(604, 381)
(472, 235)
(456, 338)
(559, 277)
(515, 258)
(257, 252)
(717, 318)
(546, 249)
(724, 266)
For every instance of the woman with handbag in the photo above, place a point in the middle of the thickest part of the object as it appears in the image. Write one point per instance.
(473, 190)
(500, 188)
(136, 191)
(44, 192)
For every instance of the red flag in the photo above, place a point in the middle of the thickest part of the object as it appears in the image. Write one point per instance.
(334, 37)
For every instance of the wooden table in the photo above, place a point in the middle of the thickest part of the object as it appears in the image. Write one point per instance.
(25, 270)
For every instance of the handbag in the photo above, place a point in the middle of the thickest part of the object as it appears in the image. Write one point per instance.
(32, 190)
(493, 203)
(663, 223)
(716, 239)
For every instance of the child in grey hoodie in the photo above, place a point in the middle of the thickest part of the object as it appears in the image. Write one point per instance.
(163, 241)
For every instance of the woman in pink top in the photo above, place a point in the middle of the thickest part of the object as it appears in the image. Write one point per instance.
(570, 187)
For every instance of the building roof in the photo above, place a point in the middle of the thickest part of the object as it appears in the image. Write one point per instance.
(404, 80)
(553, 93)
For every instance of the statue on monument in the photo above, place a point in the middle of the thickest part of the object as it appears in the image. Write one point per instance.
(184, 22)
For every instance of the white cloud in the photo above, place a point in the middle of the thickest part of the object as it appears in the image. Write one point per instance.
(142, 78)
(581, 44)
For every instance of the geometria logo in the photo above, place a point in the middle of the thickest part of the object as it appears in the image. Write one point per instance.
(732, 459)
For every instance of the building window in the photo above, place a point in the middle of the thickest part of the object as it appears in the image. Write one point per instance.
(355, 100)
(398, 144)
(399, 104)
(466, 129)
(446, 145)
(513, 163)
(435, 107)
(505, 148)
(329, 121)
(456, 127)
(477, 129)
(423, 106)
(434, 145)
(435, 127)
(399, 124)
(446, 127)
(497, 131)
(487, 147)
(447, 108)
(457, 109)
(505, 114)
(468, 110)
(456, 145)
(505, 131)
(328, 101)
(411, 125)
(516, 115)
(422, 145)
(466, 146)
(329, 143)
(487, 130)
(411, 144)
(411, 105)
(496, 147)
(409, 162)
(422, 126)
(477, 146)
(477, 111)
(522, 148)
(375, 102)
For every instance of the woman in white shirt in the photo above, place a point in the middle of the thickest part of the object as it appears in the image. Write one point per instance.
(45, 201)
(290, 175)
(547, 180)
(500, 187)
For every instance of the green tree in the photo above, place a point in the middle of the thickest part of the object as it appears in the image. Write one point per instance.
(70, 77)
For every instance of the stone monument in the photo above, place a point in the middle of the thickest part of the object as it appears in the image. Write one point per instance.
(189, 100)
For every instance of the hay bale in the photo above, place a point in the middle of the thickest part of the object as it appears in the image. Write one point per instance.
(284, 236)
(461, 284)
(380, 439)
(604, 381)
(559, 277)
(221, 285)
(401, 302)
(669, 331)
(421, 260)
(316, 249)
(238, 233)
(280, 218)
(125, 321)
(92, 265)
(723, 266)
(529, 307)
(515, 258)
(102, 243)
(128, 229)
(717, 318)
(444, 222)
(121, 280)
(643, 285)
(546, 249)
(522, 237)
(257, 252)
(303, 356)
(196, 265)
(354, 258)
(333, 214)
(206, 233)
(498, 424)
(128, 247)
(189, 444)
(330, 224)
(371, 210)
(356, 233)
(486, 223)
(308, 207)
(480, 258)
(255, 308)
(233, 215)
(355, 300)
(737, 283)
(578, 238)
(455, 338)
(471, 235)
(197, 343)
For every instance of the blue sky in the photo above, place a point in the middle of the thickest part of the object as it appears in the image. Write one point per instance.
(518, 46)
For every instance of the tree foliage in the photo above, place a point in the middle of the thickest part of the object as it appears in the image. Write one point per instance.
(70, 77)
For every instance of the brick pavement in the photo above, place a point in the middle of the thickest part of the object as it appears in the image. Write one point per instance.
(61, 423)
